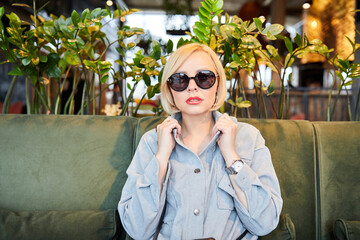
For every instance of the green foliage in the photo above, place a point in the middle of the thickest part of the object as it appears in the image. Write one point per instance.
(46, 54)
(51, 49)
(238, 45)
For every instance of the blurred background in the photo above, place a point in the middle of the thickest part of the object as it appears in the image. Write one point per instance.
(327, 20)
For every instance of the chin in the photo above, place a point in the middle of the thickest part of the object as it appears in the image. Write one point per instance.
(195, 110)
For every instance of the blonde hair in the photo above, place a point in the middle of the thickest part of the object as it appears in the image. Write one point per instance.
(176, 59)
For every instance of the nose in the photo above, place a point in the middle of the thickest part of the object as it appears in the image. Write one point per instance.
(192, 85)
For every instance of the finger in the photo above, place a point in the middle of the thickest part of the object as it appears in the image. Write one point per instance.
(215, 130)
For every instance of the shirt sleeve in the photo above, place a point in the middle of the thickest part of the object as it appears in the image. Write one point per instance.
(259, 182)
(141, 202)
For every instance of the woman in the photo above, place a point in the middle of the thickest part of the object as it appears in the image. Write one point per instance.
(210, 176)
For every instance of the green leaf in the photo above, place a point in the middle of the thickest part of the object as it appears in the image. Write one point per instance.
(290, 77)
(205, 13)
(180, 42)
(250, 42)
(202, 27)
(26, 61)
(206, 6)
(231, 102)
(288, 44)
(345, 65)
(258, 24)
(218, 4)
(169, 46)
(271, 88)
(298, 40)
(147, 79)
(85, 14)
(235, 57)
(43, 59)
(204, 19)
(16, 72)
(156, 52)
(53, 71)
(234, 65)
(274, 29)
(147, 60)
(128, 86)
(14, 19)
(2, 10)
(243, 104)
(212, 43)
(71, 58)
(270, 36)
(218, 12)
(104, 78)
(160, 74)
(289, 60)
(348, 83)
(273, 52)
(200, 35)
(75, 18)
(227, 52)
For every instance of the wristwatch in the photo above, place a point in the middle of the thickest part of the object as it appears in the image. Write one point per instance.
(235, 167)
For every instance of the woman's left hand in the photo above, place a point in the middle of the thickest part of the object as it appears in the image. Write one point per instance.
(226, 141)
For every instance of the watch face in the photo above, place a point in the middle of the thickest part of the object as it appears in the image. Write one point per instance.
(238, 165)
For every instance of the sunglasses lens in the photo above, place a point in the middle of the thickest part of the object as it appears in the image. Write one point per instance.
(178, 81)
(205, 79)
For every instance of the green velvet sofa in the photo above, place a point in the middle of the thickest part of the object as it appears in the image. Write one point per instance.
(61, 176)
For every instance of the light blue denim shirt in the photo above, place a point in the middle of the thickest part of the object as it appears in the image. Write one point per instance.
(199, 197)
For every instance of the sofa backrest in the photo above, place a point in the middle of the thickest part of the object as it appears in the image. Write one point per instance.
(63, 162)
(79, 163)
(338, 145)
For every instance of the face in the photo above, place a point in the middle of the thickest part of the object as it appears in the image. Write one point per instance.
(195, 100)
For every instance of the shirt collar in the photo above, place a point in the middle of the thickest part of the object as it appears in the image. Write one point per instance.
(178, 117)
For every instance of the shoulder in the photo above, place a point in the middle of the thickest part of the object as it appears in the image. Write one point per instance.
(149, 138)
(246, 128)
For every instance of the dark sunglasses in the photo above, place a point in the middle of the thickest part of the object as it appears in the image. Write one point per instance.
(180, 81)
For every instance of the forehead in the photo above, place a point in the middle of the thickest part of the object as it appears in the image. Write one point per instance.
(197, 61)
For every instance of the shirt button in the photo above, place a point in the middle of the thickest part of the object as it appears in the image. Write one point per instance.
(197, 170)
(196, 212)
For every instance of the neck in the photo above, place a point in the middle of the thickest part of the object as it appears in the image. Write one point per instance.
(197, 124)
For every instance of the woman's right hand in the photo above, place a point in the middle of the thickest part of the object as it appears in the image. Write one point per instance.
(166, 141)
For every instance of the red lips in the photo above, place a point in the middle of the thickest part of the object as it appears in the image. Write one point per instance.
(194, 100)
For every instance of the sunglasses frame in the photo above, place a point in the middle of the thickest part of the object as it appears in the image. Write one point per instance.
(169, 81)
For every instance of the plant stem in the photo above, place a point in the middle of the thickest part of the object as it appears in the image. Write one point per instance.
(329, 99)
(7, 100)
(357, 115)
(336, 99)
(348, 103)
(138, 106)
(28, 105)
(83, 99)
(125, 108)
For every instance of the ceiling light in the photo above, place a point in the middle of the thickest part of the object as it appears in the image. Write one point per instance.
(109, 3)
(306, 5)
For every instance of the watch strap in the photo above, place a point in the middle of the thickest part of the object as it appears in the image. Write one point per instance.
(235, 167)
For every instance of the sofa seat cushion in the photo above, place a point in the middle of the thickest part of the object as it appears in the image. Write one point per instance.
(78, 225)
(284, 231)
(346, 230)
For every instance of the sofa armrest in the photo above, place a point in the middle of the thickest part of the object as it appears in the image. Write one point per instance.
(92, 224)
(346, 230)
(284, 231)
